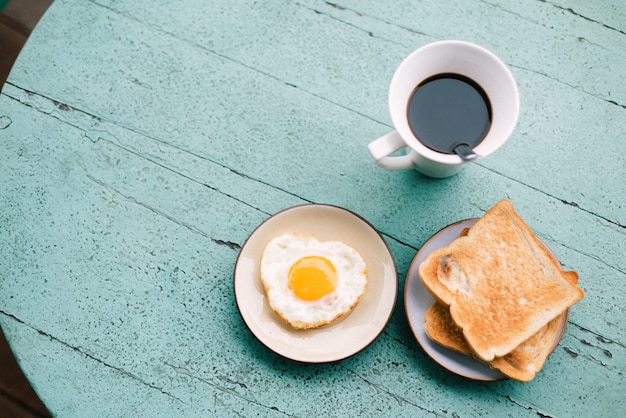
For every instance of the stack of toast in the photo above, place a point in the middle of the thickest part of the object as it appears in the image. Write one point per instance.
(500, 296)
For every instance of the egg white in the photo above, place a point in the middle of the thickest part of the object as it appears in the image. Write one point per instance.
(285, 250)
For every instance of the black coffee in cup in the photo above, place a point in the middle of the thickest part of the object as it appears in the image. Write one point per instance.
(447, 110)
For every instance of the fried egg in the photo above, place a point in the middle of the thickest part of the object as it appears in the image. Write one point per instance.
(310, 283)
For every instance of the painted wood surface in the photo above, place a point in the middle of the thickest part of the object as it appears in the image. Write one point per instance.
(142, 142)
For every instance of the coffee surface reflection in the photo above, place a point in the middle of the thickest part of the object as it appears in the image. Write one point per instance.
(447, 110)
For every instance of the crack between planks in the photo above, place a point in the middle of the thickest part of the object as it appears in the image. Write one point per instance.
(386, 22)
(495, 391)
(598, 337)
(319, 12)
(573, 352)
(90, 356)
(577, 14)
(214, 188)
(539, 23)
(574, 204)
(497, 6)
(184, 372)
(130, 199)
(235, 61)
(187, 177)
(400, 399)
(360, 14)
(581, 89)
(530, 407)
(577, 206)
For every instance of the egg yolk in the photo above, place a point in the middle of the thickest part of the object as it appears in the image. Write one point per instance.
(312, 277)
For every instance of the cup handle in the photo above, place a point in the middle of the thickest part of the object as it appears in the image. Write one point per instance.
(381, 148)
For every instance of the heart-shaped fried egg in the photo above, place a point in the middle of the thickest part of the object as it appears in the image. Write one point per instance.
(310, 283)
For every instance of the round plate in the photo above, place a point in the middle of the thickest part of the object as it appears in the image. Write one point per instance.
(343, 337)
(417, 300)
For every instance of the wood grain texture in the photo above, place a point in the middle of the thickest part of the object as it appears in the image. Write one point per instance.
(142, 143)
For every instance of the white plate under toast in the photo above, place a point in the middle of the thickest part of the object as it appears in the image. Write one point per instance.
(343, 337)
(417, 300)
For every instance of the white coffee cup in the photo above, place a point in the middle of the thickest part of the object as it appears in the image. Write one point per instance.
(455, 57)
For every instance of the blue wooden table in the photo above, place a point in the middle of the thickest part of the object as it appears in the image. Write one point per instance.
(141, 143)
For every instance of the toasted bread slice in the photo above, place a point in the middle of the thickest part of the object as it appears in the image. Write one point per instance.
(440, 328)
(529, 357)
(499, 282)
(520, 364)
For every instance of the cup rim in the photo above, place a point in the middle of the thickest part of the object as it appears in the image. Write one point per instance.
(400, 92)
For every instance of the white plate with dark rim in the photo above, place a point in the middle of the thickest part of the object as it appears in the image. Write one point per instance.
(347, 335)
(417, 300)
